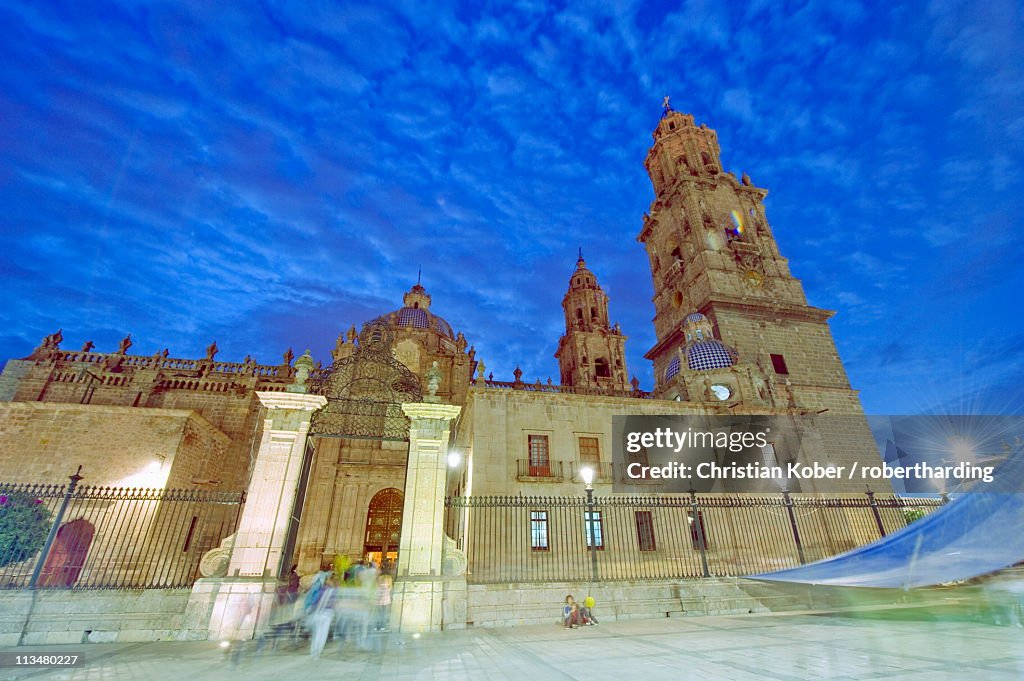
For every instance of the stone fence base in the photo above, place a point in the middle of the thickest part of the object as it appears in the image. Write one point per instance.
(96, 616)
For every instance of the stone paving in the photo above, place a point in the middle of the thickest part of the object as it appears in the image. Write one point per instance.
(741, 648)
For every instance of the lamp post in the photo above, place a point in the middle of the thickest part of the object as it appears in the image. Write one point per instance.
(587, 473)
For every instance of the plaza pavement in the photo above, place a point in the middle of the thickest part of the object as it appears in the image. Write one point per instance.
(739, 648)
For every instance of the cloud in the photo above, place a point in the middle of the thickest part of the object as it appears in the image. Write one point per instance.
(270, 175)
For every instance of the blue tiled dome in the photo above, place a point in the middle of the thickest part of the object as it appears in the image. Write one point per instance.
(709, 354)
(695, 317)
(418, 318)
(673, 367)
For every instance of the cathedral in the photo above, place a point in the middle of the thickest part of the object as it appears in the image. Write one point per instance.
(735, 334)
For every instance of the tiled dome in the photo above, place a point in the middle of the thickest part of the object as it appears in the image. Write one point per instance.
(418, 318)
(709, 354)
(673, 368)
(695, 317)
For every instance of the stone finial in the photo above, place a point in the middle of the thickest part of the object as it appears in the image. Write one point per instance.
(122, 347)
(460, 342)
(87, 346)
(303, 365)
(518, 373)
(288, 357)
(746, 180)
(54, 339)
(48, 344)
(635, 383)
(212, 350)
(352, 335)
(472, 352)
(480, 369)
(433, 377)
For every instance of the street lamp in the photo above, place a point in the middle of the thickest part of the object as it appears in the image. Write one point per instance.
(587, 473)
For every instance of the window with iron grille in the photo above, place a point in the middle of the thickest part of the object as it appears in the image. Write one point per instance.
(645, 531)
(593, 522)
(539, 530)
(540, 464)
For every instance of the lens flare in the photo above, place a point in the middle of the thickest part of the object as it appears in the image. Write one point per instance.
(737, 222)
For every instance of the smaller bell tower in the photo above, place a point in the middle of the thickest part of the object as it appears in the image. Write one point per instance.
(591, 354)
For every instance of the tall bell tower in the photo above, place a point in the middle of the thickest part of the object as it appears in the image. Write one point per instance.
(592, 352)
(712, 253)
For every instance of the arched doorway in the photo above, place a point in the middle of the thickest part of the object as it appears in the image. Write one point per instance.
(383, 526)
(67, 556)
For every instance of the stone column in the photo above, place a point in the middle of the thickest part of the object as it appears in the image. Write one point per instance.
(242, 596)
(420, 588)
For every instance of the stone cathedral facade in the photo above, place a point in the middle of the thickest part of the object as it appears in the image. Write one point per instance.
(734, 332)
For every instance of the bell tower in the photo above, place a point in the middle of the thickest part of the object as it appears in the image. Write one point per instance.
(712, 253)
(592, 351)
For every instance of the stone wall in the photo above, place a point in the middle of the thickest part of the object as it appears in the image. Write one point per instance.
(61, 616)
(116, 446)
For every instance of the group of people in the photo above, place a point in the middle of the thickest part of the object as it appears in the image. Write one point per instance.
(346, 601)
(575, 615)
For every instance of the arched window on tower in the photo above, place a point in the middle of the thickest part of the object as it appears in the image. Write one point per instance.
(579, 313)
(601, 368)
(593, 313)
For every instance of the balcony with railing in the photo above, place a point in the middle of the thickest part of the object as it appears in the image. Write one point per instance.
(539, 471)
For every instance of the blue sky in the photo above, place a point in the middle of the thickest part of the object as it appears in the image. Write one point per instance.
(269, 174)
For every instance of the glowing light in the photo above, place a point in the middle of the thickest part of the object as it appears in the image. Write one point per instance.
(416, 635)
(154, 466)
(454, 459)
(224, 644)
(961, 449)
(587, 473)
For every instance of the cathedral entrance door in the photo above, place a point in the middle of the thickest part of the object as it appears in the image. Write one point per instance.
(383, 527)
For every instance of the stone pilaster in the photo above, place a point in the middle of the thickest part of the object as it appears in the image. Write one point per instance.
(241, 599)
(420, 587)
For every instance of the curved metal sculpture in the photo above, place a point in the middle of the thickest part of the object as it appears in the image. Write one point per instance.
(365, 392)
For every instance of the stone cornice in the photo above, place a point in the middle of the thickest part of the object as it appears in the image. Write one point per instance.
(430, 410)
(295, 401)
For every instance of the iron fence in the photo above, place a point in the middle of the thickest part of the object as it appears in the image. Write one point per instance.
(548, 538)
(110, 537)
